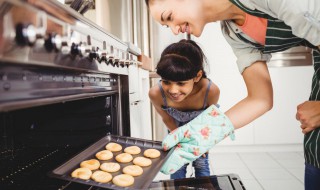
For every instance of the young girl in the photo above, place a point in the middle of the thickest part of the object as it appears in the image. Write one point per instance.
(183, 92)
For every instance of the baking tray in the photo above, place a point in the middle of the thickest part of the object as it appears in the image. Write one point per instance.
(140, 182)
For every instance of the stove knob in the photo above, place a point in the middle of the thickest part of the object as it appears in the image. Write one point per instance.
(103, 57)
(94, 53)
(74, 49)
(53, 42)
(25, 34)
(127, 61)
(77, 49)
(116, 62)
(110, 61)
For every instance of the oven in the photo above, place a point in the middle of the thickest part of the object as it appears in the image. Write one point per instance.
(63, 86)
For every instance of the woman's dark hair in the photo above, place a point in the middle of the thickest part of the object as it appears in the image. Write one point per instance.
(181, 61)
(147, 2)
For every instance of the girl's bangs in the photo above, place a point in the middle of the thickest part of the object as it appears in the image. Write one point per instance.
(176, 68)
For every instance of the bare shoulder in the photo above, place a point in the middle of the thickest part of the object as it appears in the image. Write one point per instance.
(214, 94)
(155, 95)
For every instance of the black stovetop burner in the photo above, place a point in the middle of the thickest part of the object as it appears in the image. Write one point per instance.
(215, 182)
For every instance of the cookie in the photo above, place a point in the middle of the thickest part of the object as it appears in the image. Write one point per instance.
(142, 161)
(82, 173)
(92, 164)
(110, 167)
(101, 176)
(123, 180)
(124, 157)
(104, 155)
(133, 170)
(113, 147)
(151, 153)
(132, 150)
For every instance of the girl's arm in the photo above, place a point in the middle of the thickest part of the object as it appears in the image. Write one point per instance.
(259, 99)
(156, 100)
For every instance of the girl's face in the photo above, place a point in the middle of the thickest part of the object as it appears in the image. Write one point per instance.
(177, 91)
(180, 15)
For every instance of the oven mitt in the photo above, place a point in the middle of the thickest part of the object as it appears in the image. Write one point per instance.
(196, 138)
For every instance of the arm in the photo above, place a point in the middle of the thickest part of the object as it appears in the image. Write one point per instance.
(308, 113)
(259, 99)
(252, 64)
(156, 100)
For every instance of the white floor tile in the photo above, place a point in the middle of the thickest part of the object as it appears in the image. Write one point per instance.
(224, 156)
(227, 163)
(298, 173)
(262, 163)
(285, 155)
(263, 173)
(254, 155)
(294, 163)
(289, 184)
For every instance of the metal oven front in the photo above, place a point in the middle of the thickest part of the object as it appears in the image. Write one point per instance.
(63, 86)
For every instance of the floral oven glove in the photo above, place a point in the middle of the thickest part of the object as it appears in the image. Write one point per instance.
(196, 138)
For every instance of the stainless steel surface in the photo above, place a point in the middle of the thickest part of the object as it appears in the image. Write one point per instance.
(47, 33)
(296, 56)
(63, 86)
(115, 16)
(126, 19)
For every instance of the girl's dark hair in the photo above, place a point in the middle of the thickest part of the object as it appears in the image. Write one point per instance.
(181, 61)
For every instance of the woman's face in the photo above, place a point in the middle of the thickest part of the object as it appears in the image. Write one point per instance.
(177, 91)
(180, 15)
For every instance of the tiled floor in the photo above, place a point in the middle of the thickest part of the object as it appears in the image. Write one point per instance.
(259, 170)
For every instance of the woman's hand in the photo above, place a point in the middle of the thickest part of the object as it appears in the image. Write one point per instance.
(308, 113)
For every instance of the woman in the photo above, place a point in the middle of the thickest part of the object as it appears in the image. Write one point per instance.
(254, 29)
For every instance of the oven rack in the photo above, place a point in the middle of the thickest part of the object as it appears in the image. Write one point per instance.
(18, 166)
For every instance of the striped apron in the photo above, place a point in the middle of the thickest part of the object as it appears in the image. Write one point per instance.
(275, 29)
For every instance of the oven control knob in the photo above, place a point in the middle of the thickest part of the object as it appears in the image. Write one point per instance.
(110, 61)
(116, 62)
(74, 49)
(25, 34)
(53, 42)
(77, 49)
(103, 57)
(94, 53)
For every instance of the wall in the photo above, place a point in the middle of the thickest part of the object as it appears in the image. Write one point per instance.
(291, 85)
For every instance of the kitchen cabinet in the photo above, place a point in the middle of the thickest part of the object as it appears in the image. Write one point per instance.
(140, 111)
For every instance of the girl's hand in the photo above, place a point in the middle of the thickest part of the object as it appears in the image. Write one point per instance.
(196, 138)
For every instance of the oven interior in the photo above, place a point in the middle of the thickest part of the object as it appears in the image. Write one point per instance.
(36, 140)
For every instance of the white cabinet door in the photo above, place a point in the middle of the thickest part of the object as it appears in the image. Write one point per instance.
(291, 87)
(134, 83)
(140, 111)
